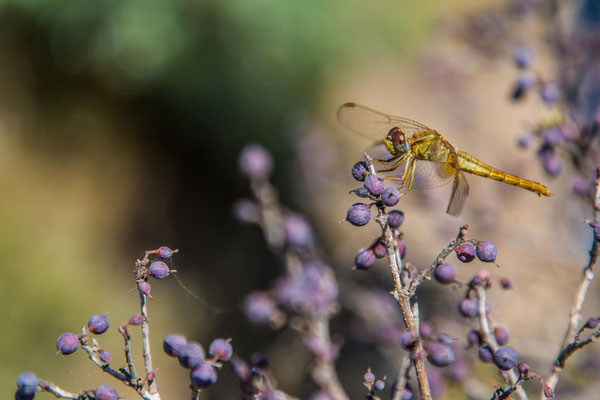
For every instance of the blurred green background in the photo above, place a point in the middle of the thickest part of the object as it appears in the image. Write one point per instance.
(120, 125)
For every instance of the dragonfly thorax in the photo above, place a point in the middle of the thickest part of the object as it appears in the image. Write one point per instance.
(395, 142)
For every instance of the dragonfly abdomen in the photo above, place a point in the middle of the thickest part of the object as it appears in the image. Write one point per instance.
(468, 163)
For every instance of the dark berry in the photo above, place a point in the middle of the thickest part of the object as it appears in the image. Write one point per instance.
(220, 349)
(27, 383)
(358, 214)
(468, 308)
(486, 251)
(374, 185)
(105, 356)
(159, 270)
(408, 340)
(361, 192)
(522, 57)
(465, 252)
(445, 273)
(364, 259)
(501, 335)
(174, 345)
(591, 323)
(506, 283)
(379, 248)
(549, 92)
(255, 161)
(439, 354)
(395, 218)
(20, 395)
(144, 287)
(259, 307)
(474, 338)
(106, 392)
(523, 84)
(136, 319)
(203, 376)
(192, 356)
(298, 232)
(379, 384)
(369, 377)
(390, 196)
(505, 358)
(67, 343)
(359, 171)
(485, 354)
(98, 324)
(165, 252)
(245, 211)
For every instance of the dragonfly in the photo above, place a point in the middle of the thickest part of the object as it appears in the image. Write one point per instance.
(419, 157)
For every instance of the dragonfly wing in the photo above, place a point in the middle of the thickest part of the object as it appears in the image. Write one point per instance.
(373, 124)
(430, 174)
(460, 191)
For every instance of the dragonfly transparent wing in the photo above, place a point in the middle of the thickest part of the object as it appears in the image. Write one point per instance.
(373, 124)
(458, 198)
(427, 175)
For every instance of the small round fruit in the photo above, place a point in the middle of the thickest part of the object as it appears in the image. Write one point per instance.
(395, 218)
(505, 358)
(358, 214)
(359, 171)
(485, 354)
(465, 253)
(255, 161)
(390, 196)
(67, 343)
(445, 273)
(468, 308)
(486, 251)
(192, 356)
(27, 383)
(106, 392)
(105, 356)
(220, 349)
(203, 376)
(159, 270)
(165, 252)
(408, 340)
(374, 185)
(365, 259)
(439, 354)
(98, 324)
(501, 335)
(174, 344)
(369, 377)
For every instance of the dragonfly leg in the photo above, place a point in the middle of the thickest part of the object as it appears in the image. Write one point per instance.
(396, 165)
(387, 166)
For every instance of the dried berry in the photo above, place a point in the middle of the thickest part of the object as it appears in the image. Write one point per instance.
(159, 270)
(486, 251)
(374, 185)
(165, 252)
(465, 253)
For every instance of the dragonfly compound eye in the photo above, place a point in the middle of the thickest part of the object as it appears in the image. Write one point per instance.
(397, 136)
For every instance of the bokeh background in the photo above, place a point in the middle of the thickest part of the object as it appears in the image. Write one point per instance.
(120, 127)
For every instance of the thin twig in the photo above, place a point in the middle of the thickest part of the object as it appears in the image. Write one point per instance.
(146, 347)
(575, 313)
(511, 376)
(402, 378)
(127, 349)
(59, 392)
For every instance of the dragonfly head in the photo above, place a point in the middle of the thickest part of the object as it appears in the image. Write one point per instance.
(396, 142)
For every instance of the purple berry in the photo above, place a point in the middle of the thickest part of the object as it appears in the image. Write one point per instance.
(445, 273)
(506, 283)
(505, 358)
(522, 57)
(259, 307)
(407, 393)
(359, 171)
(106, 392)
(364, 259)
(165, 252)
(474, 338)
(27, 383)
(361, 192)
(359, 214)
(174, 345)
(549, 93)
(501, 335)
(203, 376)
(408, 340)
(379, 384)
(159, 270)
(465, 252)
(425, 329)
(486, 251)
(98, 324)
(67, 343)
(298, 232)
(136, 319)
(220, 349)
(105, 356)
(485, 354)
(20, 395)
(401, 248)
(374, 185)
(390, 196)
(581, 187)
(445, 338)
(524, 140)
(379, 248)
(523, 84)
(395, 218)
(245, 210)
(255, 161)
(552, 137)
(439, 354)
(144, 287)
(369, 377)
(468, 308)
(192, 356)
(552, 165)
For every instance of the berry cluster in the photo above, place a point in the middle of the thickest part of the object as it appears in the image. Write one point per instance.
(373, 384)
(191, 355)
(359, 214)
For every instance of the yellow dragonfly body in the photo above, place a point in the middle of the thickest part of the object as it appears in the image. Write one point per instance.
(425, 159)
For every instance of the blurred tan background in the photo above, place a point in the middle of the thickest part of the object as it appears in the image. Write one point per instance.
(120, 124)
